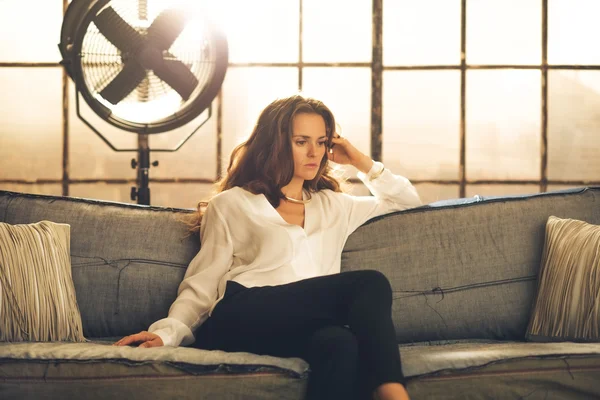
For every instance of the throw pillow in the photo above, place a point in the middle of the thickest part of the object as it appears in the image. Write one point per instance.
(567, 304)
(37, 296)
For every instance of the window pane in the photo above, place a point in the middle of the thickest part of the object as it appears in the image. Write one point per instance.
(552, 188)
(198, 156)
(260, 30)
(572, 30)
(90, 157)
(421, 112)
(504, 32)
(352, 113)
(31, 130)
(30, 30)
(103, 191)
(180, 195)
(246, 92)
(501, 190)
(336, 30)
(574, 125)
(414, 35)
(50, 189)
(430, 192)
(503, 125)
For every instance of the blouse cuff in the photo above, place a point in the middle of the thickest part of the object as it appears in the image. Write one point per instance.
(374, 173)
(172, 332)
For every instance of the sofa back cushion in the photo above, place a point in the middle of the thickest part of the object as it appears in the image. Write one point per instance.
(127, 260)
(461, 270)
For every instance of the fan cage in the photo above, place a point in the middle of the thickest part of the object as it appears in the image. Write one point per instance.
(153, 107)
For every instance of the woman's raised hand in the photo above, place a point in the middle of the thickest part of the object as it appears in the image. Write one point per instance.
(343, 152)
(146, 339)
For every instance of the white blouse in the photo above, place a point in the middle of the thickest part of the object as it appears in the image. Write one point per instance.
(245, 239)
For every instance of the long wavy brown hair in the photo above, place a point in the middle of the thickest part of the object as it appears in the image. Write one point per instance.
(264, 163)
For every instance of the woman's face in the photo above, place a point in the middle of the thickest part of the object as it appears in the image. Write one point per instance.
(309, 142)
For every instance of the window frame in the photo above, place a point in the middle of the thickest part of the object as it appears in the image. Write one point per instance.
(377, 69)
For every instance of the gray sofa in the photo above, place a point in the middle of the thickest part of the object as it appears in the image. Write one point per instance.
(463, 274)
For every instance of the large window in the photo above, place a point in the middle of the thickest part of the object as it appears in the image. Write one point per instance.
(463, 97)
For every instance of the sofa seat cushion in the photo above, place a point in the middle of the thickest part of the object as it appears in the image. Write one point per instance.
(475, 369)
(191, 359)
(428, 358)
(502, 370)
(98, 370)
(417, 359)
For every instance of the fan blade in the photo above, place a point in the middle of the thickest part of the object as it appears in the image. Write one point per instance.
(117, 31)
(166, 28)
(124, 83)
(176, 75)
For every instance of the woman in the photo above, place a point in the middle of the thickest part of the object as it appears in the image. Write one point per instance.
(266, 279)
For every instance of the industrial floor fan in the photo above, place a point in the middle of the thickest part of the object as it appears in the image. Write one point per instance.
(144, 66)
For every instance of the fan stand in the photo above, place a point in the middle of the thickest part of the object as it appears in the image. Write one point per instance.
(141, 193)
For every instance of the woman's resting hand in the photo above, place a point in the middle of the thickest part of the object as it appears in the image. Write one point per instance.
(144, 338)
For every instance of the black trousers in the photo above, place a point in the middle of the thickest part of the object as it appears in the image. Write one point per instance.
(340, 324)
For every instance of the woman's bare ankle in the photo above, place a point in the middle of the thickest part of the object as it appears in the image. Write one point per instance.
(391, 391)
